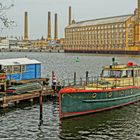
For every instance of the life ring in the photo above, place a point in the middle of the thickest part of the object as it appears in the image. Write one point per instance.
(62, 96)
(94, 95)
(109, 94)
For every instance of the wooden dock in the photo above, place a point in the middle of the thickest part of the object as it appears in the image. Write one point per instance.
(15, 99)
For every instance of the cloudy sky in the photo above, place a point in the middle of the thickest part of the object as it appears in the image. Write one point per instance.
(81, 10)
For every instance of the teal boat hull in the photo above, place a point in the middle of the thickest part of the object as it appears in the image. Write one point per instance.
(73, 103)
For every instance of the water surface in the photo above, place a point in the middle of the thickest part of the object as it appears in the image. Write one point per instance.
(22, 122)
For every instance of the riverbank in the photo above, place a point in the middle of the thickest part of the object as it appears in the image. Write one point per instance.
(33, 50)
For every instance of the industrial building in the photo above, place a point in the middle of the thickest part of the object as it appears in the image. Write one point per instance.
(41, 43)
(120, 34)
(8, 43)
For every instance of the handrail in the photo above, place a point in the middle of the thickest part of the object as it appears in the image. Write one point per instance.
(99, 82)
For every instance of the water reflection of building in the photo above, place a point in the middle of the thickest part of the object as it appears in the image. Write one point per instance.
(120, 34)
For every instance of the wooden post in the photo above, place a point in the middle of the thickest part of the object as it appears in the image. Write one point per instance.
(81, 81)
(40, 102)
(74, 78)
(86, 77)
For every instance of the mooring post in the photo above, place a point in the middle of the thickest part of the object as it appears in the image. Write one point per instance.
(86, 77)
(40, 102)
(74, 78)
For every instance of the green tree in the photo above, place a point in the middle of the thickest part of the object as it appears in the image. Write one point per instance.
(5, 21)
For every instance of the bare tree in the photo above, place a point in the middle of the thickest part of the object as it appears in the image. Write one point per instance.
(4, 20)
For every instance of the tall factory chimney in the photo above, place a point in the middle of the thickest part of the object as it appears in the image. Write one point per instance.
(56, 28)
(49, 26)
(139, 9)
(26, 27)
(69, 15)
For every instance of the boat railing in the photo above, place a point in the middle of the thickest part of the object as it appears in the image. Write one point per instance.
(99, 82)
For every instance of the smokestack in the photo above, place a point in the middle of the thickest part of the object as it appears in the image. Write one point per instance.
(139, 9)
(69, 15)
(56, 28)
(26, 26)
(49, 25)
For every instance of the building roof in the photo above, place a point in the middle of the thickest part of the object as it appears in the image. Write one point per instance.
(18, 61)
(101, 21)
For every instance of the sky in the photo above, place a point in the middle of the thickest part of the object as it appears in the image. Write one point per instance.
(81, 10)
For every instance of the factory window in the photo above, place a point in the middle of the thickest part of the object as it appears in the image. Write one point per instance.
(120, 25)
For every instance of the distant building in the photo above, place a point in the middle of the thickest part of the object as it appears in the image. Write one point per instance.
(120, 34)
(8, 43)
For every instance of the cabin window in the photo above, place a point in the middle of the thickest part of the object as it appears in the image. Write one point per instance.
(105, 73)
(138, 72)
(124, 73)
(23, 68)
(129, 73)
(9, 69)
(115, 73)
(111, 74)
(16, 68)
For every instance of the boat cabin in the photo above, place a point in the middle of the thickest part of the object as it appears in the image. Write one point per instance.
(122, 75)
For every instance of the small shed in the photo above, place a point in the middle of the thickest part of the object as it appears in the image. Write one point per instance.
(21, 68)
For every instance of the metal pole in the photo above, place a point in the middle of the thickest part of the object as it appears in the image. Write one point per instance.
(86, 77)
(40, 102)
(74, 78)
(81, 81)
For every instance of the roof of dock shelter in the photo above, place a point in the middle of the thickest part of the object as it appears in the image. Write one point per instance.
(101, 21)
(18, 61)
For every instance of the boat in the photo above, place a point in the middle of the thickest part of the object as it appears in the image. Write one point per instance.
(118, 85)
(23, 88)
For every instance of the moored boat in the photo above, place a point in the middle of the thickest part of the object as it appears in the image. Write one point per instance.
(118, 85)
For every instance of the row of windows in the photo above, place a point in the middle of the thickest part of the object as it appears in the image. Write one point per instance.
(96, 43)
(15, 69)
(122, 25)
(99, 31)
(98, 37)
(96, 46)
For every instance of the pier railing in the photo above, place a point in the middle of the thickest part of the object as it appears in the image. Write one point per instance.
(99, 82)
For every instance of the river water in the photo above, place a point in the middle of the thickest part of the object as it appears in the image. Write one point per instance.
(22, 122)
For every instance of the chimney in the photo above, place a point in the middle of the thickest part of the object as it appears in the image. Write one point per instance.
(49, 26)
(56, 28)
(139, 9)
(26, 27)
(69, 15)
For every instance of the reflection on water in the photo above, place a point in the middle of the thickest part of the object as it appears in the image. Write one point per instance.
(22, 122)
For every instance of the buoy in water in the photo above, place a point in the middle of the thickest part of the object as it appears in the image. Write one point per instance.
(77, 59)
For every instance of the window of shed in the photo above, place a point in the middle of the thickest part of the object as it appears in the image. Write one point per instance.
(16, 68)
(9, 69)
(23, 68)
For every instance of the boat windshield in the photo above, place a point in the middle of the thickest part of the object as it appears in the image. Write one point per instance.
(111, 73)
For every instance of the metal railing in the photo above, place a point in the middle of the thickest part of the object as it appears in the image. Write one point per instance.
(99, 82)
